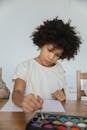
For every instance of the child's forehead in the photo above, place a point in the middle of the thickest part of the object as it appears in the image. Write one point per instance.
(53, 46)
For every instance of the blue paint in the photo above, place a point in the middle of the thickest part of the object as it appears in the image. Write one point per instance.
(52, 117)
(63, 118)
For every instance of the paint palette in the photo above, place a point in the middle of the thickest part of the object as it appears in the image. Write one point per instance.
(57, 122)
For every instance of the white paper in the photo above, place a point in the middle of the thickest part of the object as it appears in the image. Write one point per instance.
(52, 106)
(48, 106)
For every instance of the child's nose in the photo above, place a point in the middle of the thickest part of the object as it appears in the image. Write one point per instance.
(51, 56)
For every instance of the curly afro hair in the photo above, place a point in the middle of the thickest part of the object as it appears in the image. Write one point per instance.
(60, 34)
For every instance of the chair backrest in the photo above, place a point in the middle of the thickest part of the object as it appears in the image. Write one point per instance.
(81, 76)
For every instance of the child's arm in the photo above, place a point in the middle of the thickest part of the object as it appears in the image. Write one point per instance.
(18, 91)
(59, 95)
(28, 103)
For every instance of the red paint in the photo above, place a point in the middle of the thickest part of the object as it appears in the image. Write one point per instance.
(75, 128)
(61, 127)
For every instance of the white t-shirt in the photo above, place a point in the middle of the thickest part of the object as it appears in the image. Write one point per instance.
(39, 79)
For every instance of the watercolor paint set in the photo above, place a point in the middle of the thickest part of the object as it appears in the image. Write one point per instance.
(57, 122)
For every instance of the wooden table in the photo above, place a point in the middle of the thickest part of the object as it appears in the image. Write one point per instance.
(18, 120)
(2, 102)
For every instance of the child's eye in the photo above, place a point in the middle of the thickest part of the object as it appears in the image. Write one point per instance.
(50, 49)
(57, 55)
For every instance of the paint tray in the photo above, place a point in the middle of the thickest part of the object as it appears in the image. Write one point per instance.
(57, 122)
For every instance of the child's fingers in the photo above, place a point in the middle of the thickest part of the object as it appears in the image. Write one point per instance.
(59, 95)
(27, 108)
(38, 102)
(32, 103)
(53, 96)
(30, 106)
(40, 99)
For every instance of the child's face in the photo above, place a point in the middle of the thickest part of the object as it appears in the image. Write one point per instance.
(49, 55)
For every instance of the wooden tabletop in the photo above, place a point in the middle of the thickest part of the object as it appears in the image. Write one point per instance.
(2, 102)
(18, 120)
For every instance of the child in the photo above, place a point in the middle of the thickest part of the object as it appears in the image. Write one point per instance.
(4, 91)
(43, 76)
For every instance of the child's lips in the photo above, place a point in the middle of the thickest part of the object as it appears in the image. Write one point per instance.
(47, 63)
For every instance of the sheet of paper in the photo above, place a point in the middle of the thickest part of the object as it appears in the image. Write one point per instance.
(52, 106)
(48, 106)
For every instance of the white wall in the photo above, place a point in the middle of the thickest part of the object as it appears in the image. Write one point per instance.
(18, 18)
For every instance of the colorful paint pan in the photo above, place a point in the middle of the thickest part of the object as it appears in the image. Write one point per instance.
(44, 121)
(75, 128)
(68, 123)
(35, 124)
(61, 127)
(63, 118)
(52, 117)
(75, 119)
(82, 125)
(56, 122)
(48, 126)
(85, 120)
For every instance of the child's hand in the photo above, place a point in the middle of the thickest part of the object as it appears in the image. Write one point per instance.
(59, 95)
(31, 103)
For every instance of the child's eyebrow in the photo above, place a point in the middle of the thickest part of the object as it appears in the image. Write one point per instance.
(52, 47)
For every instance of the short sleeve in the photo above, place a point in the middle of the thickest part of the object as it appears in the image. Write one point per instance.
(21, 71)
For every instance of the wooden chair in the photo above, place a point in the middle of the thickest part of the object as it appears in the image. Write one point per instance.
(80, 76)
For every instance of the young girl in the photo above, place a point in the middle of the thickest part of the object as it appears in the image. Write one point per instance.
(43, 76)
